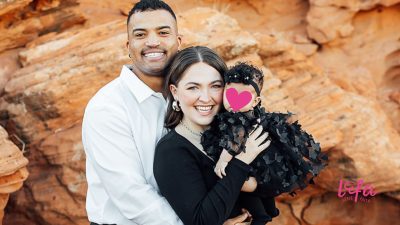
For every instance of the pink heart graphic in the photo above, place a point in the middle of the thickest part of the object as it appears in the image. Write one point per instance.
(238, 100)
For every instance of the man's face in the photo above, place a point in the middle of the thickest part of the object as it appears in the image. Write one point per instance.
(152, 40)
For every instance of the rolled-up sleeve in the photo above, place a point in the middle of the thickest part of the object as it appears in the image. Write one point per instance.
(114, 157)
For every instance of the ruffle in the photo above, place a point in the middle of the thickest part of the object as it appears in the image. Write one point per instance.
(291, 161)
(228, 131)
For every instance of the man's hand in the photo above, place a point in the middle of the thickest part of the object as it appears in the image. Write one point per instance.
(239, 220)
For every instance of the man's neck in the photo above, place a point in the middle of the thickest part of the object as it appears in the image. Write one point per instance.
(154, 82)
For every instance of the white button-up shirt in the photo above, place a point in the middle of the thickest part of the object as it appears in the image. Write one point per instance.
(122, 124)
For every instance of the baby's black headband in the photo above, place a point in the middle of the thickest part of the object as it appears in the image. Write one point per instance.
(245, 79)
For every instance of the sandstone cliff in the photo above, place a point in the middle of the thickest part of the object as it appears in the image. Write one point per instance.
(333, 63)
(12, 169)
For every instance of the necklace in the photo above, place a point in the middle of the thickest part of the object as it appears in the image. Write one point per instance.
(198, 134)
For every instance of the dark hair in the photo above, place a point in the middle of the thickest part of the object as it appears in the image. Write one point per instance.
(244, 72)
(176, 68)
(149, 5)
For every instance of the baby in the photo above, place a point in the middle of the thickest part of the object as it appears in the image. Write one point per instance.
(289, 163)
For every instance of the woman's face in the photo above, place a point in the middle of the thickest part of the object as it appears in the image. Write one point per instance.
(199, 93)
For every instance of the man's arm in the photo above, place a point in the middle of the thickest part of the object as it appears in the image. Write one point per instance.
(112, 152)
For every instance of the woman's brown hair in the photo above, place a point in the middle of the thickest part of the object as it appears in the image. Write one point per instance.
(177, 67)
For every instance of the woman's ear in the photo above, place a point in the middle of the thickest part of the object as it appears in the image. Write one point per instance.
(256, 101)
(173, 90)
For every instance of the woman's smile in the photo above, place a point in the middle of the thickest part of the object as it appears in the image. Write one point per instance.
(204, 110)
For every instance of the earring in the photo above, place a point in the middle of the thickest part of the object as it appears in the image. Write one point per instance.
(175, 106)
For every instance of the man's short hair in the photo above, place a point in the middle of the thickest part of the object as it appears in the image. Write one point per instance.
(149, 5)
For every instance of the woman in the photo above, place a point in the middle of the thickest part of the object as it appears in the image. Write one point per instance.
(183, 171)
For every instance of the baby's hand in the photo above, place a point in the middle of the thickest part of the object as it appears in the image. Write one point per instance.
(224, 158)
(220, 168)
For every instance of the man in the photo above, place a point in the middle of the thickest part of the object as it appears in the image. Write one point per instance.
(123, 123)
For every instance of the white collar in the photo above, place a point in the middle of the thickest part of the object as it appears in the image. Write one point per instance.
(138, 88)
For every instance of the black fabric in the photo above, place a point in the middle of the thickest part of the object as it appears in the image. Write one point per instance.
(289, 163)
(257, 207)
(187, 180)
(270, 207)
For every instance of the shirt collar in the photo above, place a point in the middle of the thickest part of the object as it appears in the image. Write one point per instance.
(138, 88)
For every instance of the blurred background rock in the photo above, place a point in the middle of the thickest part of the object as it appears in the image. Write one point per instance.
(334, 63)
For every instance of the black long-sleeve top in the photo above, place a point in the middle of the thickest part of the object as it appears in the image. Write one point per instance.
(187, 180)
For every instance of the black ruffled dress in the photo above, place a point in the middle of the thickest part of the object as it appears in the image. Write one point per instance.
(289, 163)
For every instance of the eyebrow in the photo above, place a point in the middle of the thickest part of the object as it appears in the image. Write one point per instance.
(194, 83)
(157, 28)
(163, 27)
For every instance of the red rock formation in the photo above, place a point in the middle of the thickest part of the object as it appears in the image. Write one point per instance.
(328, 209)
(12, 169)
(52, 120)
(23, 21)
(332, 19)
(367, 63)
(335, 89)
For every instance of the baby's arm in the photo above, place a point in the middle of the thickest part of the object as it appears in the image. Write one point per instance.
(249, 186)
(224, 158)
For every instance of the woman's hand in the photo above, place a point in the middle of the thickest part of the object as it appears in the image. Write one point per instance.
(249, 185)
(254, 146)
(239, 220)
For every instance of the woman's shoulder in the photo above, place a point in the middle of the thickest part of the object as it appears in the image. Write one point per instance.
(170, 138)
(173, 149)
(171, 142)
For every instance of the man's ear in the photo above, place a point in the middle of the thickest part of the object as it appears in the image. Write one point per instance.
(179, 39)
(173, 90)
